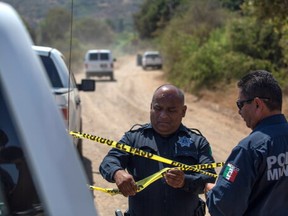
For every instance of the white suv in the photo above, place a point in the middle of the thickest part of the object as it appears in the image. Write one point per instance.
(99, 63)
(65, 89)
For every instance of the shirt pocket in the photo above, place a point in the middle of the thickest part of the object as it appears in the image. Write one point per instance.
(186, 155)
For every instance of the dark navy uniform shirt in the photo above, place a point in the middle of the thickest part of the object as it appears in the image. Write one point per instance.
(159, 198)
(254, 180)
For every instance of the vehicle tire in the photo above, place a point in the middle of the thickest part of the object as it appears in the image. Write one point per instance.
(111, 77)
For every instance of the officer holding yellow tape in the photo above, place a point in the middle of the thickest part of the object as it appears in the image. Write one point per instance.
(177, 193)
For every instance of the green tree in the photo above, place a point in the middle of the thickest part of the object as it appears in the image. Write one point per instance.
(273, 13)
(154, 16)
(269, 9)
(234, 5)
(55, 26)
(257, 39)
(183, 39)
(93, 32)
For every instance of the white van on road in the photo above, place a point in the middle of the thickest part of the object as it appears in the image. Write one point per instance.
(99, 63)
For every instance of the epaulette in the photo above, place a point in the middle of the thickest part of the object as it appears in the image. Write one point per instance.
(196, 131)
(137, 126)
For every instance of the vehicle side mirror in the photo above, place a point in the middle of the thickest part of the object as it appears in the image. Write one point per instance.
(86, 85)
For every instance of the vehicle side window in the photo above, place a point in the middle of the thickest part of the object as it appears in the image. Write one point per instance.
(51, 72)
(93, 56)
(17, 189)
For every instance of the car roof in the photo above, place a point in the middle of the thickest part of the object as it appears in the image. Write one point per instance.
(44, 50)
(152, 52)
(58, 174)
(99, 51)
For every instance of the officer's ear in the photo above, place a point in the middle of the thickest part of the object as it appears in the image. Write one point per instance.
(259, 103)
(184, 110)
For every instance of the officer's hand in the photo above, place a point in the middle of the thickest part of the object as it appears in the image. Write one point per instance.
(208, 187)
(125, 183)
(175, 178)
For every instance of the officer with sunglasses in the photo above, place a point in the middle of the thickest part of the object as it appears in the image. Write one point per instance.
(254, 180)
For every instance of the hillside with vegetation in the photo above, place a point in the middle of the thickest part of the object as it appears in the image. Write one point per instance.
(33, 11)
(73, 27)
(211, 43)
(206, 44)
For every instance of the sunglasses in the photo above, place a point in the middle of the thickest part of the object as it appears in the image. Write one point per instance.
(241, 103)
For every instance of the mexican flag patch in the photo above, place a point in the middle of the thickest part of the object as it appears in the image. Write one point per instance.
(230, 172)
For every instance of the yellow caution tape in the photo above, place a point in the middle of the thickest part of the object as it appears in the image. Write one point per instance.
(139, 152)
(141, 185)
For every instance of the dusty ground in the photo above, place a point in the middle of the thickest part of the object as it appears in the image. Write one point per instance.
(115, 106)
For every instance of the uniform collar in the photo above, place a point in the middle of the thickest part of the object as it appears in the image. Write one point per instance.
(271, 120)
(181, 128)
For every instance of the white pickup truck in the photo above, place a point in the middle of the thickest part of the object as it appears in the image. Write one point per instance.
(65, 89)
(40, 171)
(151, 59)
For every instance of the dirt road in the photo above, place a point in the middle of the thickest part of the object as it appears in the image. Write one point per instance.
(115, 106)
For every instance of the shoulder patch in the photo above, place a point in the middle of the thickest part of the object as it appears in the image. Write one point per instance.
(230, 172)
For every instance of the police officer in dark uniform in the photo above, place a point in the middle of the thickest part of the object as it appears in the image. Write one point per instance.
(254, 180)
(177, 193)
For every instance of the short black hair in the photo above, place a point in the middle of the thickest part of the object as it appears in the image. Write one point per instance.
(262, 84)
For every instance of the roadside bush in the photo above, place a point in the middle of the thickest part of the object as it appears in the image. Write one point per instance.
(237, 65)
(257, 39)
(204, 67)
(193, 67)
(215, 62)
(190, 60)
(175, 54)
(262, 44)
